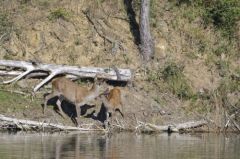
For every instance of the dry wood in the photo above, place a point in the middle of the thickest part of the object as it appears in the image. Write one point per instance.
(231, 119)
(29, 124)
(54, 70)
(32, 75)
(171, 128)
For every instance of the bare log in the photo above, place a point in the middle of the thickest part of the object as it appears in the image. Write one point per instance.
(172, 128)
(191, 124)
(20, 123)
(54, 70)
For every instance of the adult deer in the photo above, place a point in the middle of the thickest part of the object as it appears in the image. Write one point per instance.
(78, 95)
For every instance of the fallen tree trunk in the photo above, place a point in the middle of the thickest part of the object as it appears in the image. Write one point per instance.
(27, 125)
(32, 75)
(35, 125)
(170, 128)
(54, 70)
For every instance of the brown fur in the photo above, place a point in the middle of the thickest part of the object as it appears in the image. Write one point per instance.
(113, 101)
(72, 92)
(114, 98)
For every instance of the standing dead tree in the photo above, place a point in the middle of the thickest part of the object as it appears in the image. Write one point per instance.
(146, 41)
(54, 70)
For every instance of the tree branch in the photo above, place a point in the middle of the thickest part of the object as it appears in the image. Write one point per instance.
(54, 70)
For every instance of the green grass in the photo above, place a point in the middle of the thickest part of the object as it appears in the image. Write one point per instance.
(59, 13)
(177, 82)
(222, 14)
(12, 102)
(171, 77)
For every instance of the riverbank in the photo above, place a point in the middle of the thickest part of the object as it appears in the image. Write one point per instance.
(194, 75)
(23, 112)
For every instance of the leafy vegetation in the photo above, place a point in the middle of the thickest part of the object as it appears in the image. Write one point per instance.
(174, 79)
(25, 1)
(223, 14)
(173, 75)
(59, 13)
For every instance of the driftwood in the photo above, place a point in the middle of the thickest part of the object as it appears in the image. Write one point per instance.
(54, 70)
(35, 125)
(7, 122)
(231, 119)
(170, 128)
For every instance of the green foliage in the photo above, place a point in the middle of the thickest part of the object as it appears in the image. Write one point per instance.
(173, 75)
(25, 1)
(223, 67)
(229, 85)
(153, 75)
(12, 102)
(59, 13)
(44, 3)
(224, 14)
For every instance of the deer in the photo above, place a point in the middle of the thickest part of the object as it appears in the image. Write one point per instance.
(113, 102)
(78, 95)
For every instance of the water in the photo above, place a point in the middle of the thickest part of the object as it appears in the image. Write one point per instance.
(118, 146)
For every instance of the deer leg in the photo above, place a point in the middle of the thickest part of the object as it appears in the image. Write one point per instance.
(113, 115)
(51, 95)
(59, 105)
(121, 111)
(78, 112)
(106, 122)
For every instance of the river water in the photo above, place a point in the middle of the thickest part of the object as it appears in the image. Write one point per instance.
(119, 146)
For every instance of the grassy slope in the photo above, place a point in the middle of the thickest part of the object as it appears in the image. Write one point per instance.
(195, 70)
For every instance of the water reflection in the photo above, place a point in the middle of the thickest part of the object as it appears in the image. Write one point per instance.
(123, 145)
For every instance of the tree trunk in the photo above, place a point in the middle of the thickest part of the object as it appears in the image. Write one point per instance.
(54, 70)
(147, 44)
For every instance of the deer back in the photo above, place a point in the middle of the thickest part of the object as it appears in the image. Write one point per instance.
(89, 94)
(67, 88)
(114, 97)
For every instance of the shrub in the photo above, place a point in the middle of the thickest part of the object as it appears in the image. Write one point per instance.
(59, 13)
(173, 75)
(223, 14)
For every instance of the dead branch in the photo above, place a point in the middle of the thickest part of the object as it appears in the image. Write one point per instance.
(29, 124)
(54, 70)
(230, 119)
